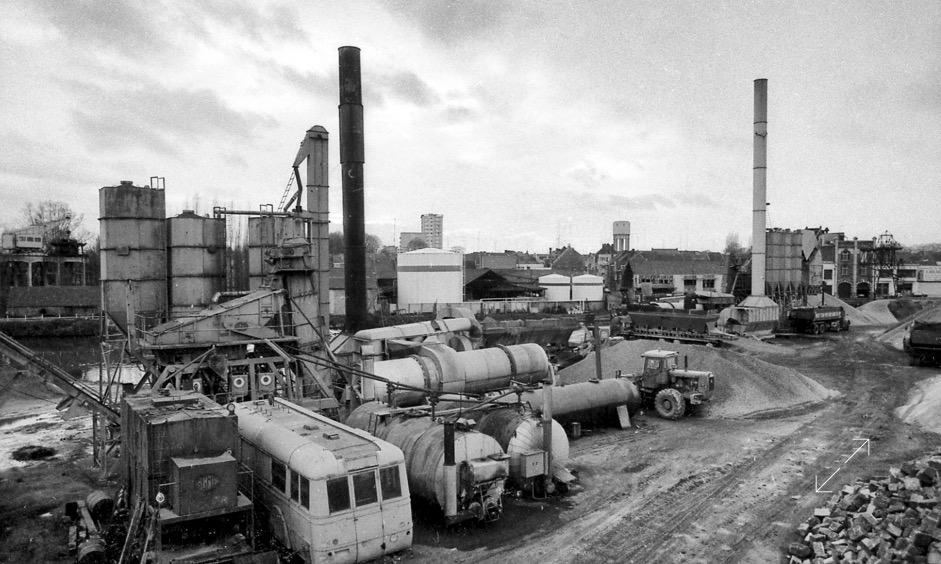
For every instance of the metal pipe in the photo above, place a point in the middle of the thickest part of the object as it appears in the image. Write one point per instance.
(450, 471)
(547, 433)
(760, 188)
(352, 149)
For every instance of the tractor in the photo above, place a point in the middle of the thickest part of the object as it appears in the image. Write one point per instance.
(674, 391)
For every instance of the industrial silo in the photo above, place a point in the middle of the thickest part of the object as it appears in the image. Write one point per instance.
(558, 287)
(588, 288)
(261, 236)
(133, 253)
(430, 276)
(196, 251)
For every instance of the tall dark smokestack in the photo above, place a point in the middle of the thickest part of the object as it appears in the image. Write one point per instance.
(352, 149)
(760, 187)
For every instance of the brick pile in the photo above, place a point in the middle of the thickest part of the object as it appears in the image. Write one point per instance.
(878, 521)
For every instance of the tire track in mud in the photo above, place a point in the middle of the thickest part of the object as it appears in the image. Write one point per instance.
(874, 386)
(648, 535)
(655, 532)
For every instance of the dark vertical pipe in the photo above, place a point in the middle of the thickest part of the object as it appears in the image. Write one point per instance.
(352, 149)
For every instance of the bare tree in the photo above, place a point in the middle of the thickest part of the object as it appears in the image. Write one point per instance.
(51, 210)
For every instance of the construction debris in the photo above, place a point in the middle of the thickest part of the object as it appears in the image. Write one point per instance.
(880, 520)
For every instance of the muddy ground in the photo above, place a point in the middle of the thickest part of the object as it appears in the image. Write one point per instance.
(695, 490)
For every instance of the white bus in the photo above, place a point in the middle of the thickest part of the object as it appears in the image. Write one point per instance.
(332, 493)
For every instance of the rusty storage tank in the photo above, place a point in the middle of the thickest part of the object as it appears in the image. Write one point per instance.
(439, 367)
(133, 253)
(475, 492)
(595, 402)
(196, 251)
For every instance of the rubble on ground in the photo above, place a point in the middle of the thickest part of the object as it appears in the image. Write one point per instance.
(882, 520)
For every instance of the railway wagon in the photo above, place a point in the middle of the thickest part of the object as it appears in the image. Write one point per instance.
(331, 493)
(681, 325)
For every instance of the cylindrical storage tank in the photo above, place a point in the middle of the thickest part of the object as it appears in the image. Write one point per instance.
(588, 287)
(196, 250)
(430, 276)
(261, 236)
(441, 368)
(558, 287)
(522, 434)
(422, 442)
(589, 403)
(133, 248)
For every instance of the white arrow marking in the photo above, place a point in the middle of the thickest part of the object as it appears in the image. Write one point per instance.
(817, 489)
(865, 444)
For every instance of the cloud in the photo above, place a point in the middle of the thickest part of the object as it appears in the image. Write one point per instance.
(697, 200)
(407, 86)
(452, 22)
(587, 174)
(157, 118)
(458, 114)
(277, 22)
(28, 158)
(129, 27)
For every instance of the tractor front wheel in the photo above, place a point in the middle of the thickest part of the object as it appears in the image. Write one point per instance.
(670, 404)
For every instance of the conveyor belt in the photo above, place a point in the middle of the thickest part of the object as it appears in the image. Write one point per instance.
(25, 359)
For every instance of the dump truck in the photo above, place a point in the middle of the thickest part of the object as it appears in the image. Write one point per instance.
(923, 343)
(673, 391)
(818, 319)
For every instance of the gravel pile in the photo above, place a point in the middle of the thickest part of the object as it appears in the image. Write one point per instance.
(857, 317)
(883, 520)
(894, 335)
(879, 309)
(924, 405)
(745, 386)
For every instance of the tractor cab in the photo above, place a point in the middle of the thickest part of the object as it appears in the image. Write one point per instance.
(657, 366)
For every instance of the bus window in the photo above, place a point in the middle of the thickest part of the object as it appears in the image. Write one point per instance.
(364, 488)
(338, 494)
(278, 475)
(305, 491)
(389, 479)
(295, 485)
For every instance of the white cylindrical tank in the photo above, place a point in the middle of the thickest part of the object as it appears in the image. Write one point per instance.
(523, 434)
(430, 276)
(479, 456)
(441, 368)
(588, 287)
(558, 287)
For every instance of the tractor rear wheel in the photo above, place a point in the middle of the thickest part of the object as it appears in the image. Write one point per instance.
(670, 404)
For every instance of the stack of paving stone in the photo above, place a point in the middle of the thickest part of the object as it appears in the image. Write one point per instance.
(882, 520)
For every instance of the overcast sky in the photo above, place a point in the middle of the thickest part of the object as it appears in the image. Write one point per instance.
(526, 124)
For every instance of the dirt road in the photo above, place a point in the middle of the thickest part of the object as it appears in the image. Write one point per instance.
(710, 490)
